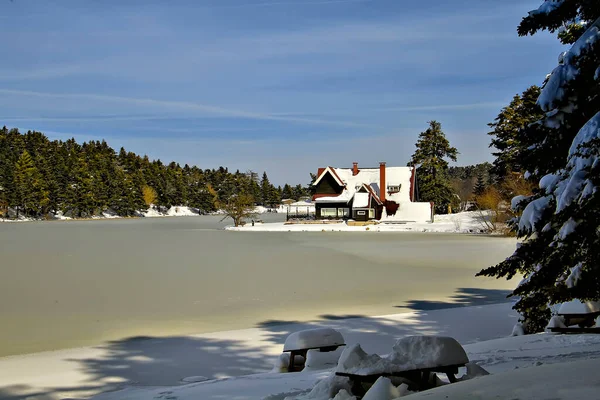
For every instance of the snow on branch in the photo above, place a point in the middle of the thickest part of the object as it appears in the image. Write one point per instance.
(554, 89)
(547, 7)
(575, 184)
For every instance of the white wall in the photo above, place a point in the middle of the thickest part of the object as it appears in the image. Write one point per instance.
(418, 212)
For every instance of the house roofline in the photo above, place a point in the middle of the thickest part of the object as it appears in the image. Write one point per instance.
(331, 170)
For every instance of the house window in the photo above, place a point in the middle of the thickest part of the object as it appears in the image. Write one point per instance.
(343, 212)
(393, 188)
(361, 212)
(371, 213)
(328, 212)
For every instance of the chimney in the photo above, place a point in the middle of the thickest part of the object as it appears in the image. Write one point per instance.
(413, 183)
(382, 184)
(354, 168)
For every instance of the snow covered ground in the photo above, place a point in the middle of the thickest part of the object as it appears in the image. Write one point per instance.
(174, 211)
(465, 222)
(539, 366)
(236, 364)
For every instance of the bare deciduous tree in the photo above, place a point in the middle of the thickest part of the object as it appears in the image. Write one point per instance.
(239, 207)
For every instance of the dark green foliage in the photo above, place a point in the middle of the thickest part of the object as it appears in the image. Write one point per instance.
(39, 176)
(511, 136)
(432, 169)
(30, 197)
(269, 196)
(568, 18)
(545, 257)
(479, 185)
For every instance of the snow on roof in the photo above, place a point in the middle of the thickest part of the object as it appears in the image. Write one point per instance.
(313, 338)
(361, 200)
(333, 173)
(394, 176)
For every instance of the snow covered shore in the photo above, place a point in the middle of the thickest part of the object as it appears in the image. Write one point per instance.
(465, 222)
(156, 361)
(235, 364)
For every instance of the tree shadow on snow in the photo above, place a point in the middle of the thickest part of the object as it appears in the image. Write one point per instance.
(164, 361)
(159, 361)
(464, 297)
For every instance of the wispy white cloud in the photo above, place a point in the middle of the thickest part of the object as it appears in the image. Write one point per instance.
(291, 3)
(449, 107)
(207, 110)
(45, 72)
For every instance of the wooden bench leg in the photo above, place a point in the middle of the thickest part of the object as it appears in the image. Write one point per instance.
(356, 388)
(451, 377)
(291, 364)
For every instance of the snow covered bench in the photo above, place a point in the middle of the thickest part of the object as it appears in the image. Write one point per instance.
(576, 313)
(413, 361)
(321, 339)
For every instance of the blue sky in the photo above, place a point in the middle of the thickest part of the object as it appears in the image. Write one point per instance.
(284, 86)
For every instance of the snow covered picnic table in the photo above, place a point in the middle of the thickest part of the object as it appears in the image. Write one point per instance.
(413, 361)
(321, 339)
(576, 312)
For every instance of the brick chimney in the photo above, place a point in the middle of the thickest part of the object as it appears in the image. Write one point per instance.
(382, 184)
(354, 168)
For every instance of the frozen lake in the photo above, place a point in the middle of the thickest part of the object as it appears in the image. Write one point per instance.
(76, 283)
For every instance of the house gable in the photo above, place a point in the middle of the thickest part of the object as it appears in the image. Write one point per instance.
(328, 183)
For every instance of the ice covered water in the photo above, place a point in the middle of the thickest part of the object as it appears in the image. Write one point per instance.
(77, 283)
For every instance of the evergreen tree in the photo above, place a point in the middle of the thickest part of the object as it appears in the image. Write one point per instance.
(266, 188)
(510, 136)
(38, 175)
(559, 224)
(286, 192)
(479, 186)
(432, 168)
(30, 195)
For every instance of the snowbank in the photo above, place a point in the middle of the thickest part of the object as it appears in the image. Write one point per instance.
(465, 222)
(174, 211)
(562, 381)
(164, 362)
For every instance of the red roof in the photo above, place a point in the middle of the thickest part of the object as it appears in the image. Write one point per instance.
(321, 171)
(370, 190)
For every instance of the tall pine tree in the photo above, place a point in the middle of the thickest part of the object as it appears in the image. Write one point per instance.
(432, 169)
(510, 136)
(31, 197)
(559, 254)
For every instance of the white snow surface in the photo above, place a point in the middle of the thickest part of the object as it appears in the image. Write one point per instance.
(317, 360)
(394, 176)
(578, 307)
(313, 338)
(574, 276)
(556, 322)
(157, 364)
(567, 228)
(568, 367)
(562, 381)
(575, 186)
(382, 389)
(533, 213)
(409, 353)
(553, 90)
(414, 352)
(547, 7)
(361, 200)
(464, 222)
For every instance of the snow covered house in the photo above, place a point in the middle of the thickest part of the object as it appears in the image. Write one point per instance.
(384, 193)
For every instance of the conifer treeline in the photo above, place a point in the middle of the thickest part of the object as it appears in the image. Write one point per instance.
(38, 176)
